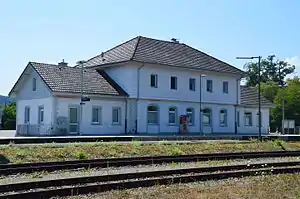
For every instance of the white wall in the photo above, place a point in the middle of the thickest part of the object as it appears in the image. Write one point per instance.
(106, 126)
(26, 92)
(164, 127)
(254, 129)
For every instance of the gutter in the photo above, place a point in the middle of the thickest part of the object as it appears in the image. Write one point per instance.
(138, 95)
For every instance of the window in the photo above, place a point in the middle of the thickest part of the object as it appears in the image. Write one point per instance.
(153, 81)
(248, 119)
(190, 114)
(207, 117)
(116, 115)
(152, 114)
(172, 115)
(96, 115)
(41, 114)
(223, 118)
(238, 118)
(34, 84)
(27, 115)
(209, 85)
(192, 84)
(225, 87)
(173, 83)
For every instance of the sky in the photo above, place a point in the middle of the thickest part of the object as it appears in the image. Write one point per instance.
(73, 30)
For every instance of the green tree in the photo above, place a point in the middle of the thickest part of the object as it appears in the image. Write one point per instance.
(9, 116)
(272, 69)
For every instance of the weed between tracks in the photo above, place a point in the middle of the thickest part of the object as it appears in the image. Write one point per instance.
(59, 152)
(266, 187)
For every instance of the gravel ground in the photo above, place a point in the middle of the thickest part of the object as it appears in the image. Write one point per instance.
(116, 170)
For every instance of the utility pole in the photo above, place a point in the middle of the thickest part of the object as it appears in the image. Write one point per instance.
(259, 97)
(81, 63)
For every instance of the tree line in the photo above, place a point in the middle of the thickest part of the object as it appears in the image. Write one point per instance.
(277, 88)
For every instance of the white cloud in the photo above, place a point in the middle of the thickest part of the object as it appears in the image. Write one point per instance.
(296, 62)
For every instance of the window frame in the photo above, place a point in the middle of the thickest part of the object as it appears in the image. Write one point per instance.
(175, 83)
(225, 118)
(192, 112)
(119, 115)
(156, 111)
(34, 84)
(209, 89)
(175, 112)
(41, 114)
(192, 84)
(27, 115)
(155, 81)
(205, 114)
(251, 118)
(99, 122)
(225, 87)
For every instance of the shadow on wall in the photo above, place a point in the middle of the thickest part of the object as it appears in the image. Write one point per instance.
(3, 159)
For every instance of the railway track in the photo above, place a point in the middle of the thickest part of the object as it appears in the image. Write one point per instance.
(9, 169)
(92, 184)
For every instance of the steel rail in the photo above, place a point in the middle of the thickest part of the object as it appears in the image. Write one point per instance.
(135, 181)
(9, 169)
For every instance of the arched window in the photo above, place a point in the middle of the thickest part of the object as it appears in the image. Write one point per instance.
(172, 115)
(191, 116)
(207, 117)
(152, 114)
(223, 117)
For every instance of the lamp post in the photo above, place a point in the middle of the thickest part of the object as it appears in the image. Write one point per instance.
(200, 103)
(259, 103)
(81, 63)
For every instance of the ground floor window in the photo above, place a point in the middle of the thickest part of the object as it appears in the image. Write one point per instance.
(223, 117)
(190, 115)
(207, 114)
(238, 118)
(96, 115)
(116, 115)
(41, 114)
(152, 114)
(172, 115)
(248, 118)
(27, 115)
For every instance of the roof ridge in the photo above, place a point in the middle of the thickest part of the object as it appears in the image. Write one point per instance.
(33, 62)
(113, 48)
(135, 47)
(161, 40)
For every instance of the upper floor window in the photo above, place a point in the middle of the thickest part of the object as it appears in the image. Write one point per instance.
(207, 117)
(153, 80)
(192, 84)
(96, 115)
(152, 114)
(33, 84)
(116, 115)
(209, 85)
(27, 115)
(41, 114)
(223, 117)
(172, 115)
(173, 83)
(190, 115)
(248, 118)
(225, 87)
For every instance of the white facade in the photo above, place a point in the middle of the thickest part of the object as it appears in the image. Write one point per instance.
(135, 79)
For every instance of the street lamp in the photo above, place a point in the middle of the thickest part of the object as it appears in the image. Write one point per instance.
(81, 64)
(200, 102)
(259, 103)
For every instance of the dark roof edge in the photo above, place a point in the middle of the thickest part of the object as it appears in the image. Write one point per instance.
(135, 47)
(114, 84)
(241, 71)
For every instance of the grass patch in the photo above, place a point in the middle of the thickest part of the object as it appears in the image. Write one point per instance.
(52, 152)
(267, 187)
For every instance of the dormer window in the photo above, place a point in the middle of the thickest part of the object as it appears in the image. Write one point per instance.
(34, 84)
